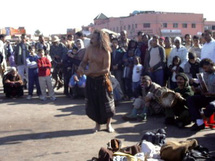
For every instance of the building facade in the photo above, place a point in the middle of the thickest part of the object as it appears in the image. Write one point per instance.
(151, 22)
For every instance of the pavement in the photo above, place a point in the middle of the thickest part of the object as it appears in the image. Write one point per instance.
(34, 130)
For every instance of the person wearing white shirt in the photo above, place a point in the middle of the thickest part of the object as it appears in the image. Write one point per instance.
(208, 49)
(179, 51)
(137, 70)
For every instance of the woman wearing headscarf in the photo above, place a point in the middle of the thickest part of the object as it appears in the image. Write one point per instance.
(179, 114)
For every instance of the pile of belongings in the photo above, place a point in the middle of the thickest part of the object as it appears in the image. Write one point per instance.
(153, 147)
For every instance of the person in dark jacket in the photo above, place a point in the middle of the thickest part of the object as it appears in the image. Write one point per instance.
(179, 113)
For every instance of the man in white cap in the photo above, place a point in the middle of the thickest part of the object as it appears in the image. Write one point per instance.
(180, 51)
(57, 52)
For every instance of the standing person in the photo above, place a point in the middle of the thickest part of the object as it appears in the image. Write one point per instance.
(179, 51)
(80, 35)
(137, 70)
(3, 63)
(99, 93)
(57, 52)
(42, 44)
(188, 41)
(144, 48)
(123, 41)
(32, 72)
(196, 48)
(44, 72)
(70, 42)
(156, 62)
(21, 53)
(117, 61)
(208, 48)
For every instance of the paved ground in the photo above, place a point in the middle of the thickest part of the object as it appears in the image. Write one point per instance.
(60, 131)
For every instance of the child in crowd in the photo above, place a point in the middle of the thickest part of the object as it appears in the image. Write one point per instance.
(31, 62)
(77, 83)
(137, 70)
(127, 73)
(174, 69)
(44, 72)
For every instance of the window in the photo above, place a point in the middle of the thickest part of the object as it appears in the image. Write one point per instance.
(124, 27)
(120, 28)
(135, 25)
(132, 26)
(193, 25)
(213, 27)
(184, 25)
(114, 29)
(129, 27)
(146, 25)
(164, 25)
(117, 29)
(175, 25)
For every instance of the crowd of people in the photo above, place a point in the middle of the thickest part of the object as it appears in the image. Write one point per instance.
(138, 68)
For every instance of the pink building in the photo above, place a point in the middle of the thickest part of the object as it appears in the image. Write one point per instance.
(151, 22)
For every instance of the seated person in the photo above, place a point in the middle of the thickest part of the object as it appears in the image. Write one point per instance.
(13, 84)
(146, 100)
(77, 83)
(205, 99)
(179, 113)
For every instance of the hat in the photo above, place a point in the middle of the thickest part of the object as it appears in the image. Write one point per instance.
(184, 76)
(55, 39)
(177, 39)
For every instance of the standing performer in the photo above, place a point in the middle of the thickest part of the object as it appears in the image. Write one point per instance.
(99, 92)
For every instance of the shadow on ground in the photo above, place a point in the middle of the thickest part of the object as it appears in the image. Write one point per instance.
(16, 139)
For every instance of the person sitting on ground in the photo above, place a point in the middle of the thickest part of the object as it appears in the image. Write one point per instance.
(77, 83)
(146, 100)
(206, 97)
(13, 84)
(178, 114)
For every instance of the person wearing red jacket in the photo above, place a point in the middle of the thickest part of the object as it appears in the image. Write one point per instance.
(44, 72)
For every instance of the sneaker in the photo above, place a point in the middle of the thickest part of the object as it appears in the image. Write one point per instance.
(29, 97)
(142, 117)
(42, 98)
(53, 98)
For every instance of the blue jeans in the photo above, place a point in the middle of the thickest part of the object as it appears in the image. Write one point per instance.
(157, 76)
(135, 85)
(33, 79)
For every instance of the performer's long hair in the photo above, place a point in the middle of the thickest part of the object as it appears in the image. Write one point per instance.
(104, 41)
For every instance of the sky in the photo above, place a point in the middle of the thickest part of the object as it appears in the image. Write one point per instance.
(54, 17)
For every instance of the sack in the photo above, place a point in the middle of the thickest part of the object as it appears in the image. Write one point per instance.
(175, 151)
(199, 153)
(158, 137)
(119, 156)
